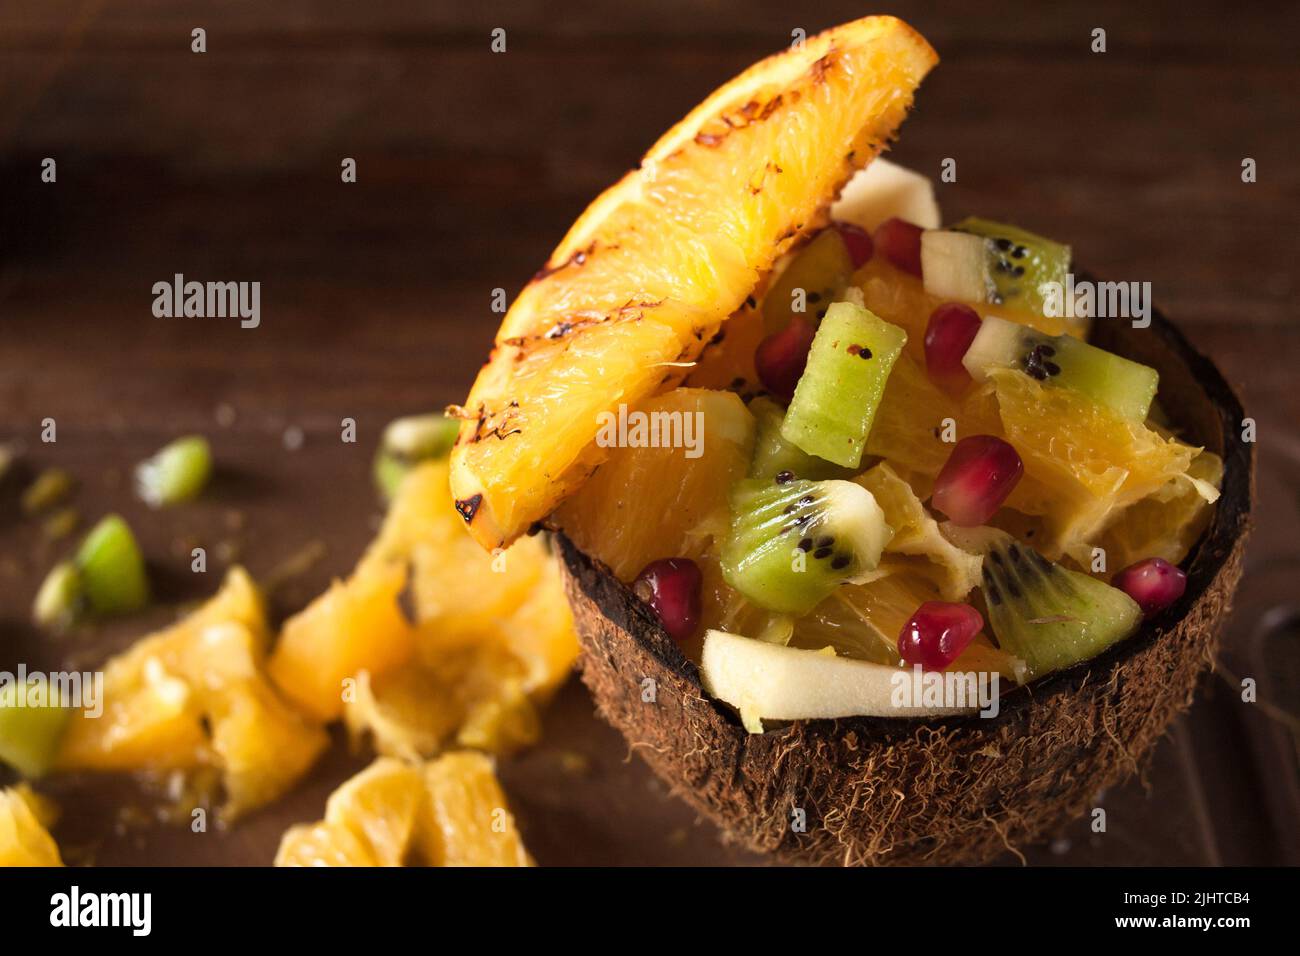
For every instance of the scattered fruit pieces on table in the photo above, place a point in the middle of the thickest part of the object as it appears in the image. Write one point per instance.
(33, 720)
(431, 641)
(448, 812)
(195, 697)
(408, 441)
(49, 489)
(111, 569)
(25, 818)
(176, 473)
(106, 577)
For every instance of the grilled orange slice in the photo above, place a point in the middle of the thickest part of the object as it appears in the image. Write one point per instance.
(649, 272)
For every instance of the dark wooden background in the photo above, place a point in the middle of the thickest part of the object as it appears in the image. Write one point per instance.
(375, 302)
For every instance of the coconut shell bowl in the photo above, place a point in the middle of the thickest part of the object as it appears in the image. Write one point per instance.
(938, 790)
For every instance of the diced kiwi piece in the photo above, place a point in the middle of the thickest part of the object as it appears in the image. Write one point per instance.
(1118, 383)
(792, 542)
(820, 270)
(410, 440)
(59, 598)
(1047, 615)
(50, 488)
(1020, 262)
(175, 473)
(31, 726)
(774, 455)
(835, 401)
(112, 568)
(978, 260)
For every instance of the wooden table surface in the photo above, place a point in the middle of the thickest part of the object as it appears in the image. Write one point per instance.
(375, 303)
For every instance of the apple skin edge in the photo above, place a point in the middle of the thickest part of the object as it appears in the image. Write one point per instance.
(933, 790)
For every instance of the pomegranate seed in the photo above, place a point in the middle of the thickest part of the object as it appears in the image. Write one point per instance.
(900, 243)
(781, 357)
(976, 479)
(858, 241)
(952, 328)
(937, 633)
(671, 586)
(1154, 583)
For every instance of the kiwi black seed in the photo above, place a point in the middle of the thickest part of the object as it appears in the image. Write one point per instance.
(1065, 362)
(772, 524)
(1019, 262)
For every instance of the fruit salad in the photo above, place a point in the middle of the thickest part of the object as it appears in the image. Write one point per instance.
(912, 459)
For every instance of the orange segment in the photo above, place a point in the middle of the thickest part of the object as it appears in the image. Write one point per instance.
(1083, 462)
(323, 844)
(196, 695)
(408, 712)
(527, 444)
(450, 812)
(1169, 521)
(648, 503)
(381, 805)
(728, 361)
(151, 720)
(909, 428)
(468, 822)
(863, 620)
(261, 744)
(353, 626)
(655, 265)
(369, 820)
(24, 840)
(489, 637)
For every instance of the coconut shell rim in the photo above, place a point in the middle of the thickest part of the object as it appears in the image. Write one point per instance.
(1229, 525)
